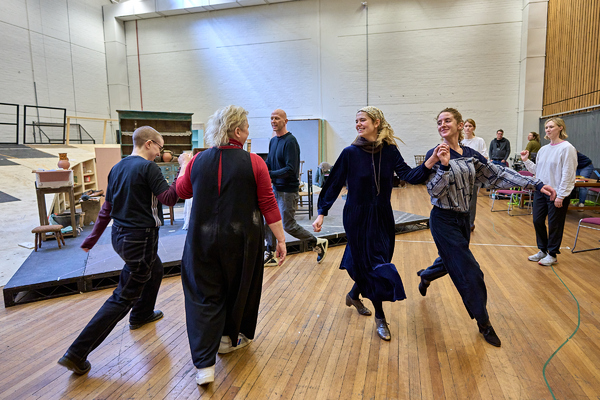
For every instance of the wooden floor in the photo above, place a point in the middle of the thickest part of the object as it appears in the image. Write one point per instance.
(309, 345)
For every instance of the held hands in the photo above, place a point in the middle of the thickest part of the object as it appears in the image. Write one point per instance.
(184, 158)
(318, 223)
(524, 155)
(443, 153)
(549, 190)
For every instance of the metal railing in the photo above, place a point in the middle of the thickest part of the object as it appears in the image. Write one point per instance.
(40, 124)
(79, 138)
(15, 124)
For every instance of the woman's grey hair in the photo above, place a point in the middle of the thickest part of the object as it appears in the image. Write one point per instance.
(222, 124)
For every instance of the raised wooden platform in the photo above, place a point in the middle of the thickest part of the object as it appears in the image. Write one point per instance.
(52, 272)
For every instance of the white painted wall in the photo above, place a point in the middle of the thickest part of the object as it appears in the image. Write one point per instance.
(59, 45)
(309, 57)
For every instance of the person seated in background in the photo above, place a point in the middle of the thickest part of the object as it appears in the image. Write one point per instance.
(322, 173)
(585, 168)
(534, 145)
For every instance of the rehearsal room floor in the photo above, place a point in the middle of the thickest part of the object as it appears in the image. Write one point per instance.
(309, 345)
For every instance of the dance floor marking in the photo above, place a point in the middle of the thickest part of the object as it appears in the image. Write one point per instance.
(479, 244)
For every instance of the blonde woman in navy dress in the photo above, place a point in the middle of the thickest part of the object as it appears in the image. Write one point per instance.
(451, 188)
(367, 168)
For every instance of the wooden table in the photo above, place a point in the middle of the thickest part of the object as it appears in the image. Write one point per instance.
(586, 183)
(41, 200)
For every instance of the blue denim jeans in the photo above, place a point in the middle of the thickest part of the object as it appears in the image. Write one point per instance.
(138, 287)
(586, 172)
(287, 203)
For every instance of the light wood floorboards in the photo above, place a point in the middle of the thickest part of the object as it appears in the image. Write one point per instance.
(309, 345)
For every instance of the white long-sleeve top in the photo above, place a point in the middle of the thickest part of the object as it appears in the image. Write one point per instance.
(477, 144)
(555, 166)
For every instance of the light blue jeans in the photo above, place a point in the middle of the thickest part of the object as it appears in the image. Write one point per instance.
(287, 203)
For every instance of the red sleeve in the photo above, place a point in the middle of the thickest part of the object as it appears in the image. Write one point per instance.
(184, 183)
(266, 198)
(99, 226)
(169, 197)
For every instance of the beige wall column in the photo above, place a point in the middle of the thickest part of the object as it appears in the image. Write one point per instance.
(116, 61)
(533, 58)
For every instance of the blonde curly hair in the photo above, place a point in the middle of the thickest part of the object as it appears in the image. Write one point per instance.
(222, 124)
(385, 133)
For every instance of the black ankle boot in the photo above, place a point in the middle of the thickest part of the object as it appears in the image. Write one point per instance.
(489, 334)
(424, 284)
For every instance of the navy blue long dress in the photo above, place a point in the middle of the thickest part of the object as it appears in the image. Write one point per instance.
(368, 217)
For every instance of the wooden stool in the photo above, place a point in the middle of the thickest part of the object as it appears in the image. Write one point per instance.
(40, 231)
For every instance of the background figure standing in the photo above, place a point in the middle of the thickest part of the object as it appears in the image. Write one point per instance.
(367, 168)
(450, 188)
(135, 187)
(222, 264)
(477, 144)
(500, 149)
(534, 145)
(555, 165)
(585, 168)
(283, 162)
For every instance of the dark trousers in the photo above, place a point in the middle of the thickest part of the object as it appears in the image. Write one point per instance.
(542, 208)
(137, 290)
(451, 232)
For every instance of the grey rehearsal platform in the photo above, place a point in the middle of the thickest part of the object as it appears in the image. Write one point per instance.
(52, 272)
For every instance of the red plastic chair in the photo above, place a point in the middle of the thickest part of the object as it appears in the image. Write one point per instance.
(589, 221)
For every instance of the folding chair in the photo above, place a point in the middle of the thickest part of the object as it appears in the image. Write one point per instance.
(589, 221)
(419, 159)
(515, 198)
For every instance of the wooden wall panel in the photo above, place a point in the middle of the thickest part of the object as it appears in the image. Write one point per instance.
(572, 79)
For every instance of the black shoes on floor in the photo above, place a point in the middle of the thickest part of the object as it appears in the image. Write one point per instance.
(156, 315)
(424, 284)
(77, 368)
(489, 334)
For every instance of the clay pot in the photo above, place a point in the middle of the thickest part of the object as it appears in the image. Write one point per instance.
(63, 161)
(167, 156)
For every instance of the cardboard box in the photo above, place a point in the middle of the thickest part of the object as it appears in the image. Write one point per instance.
(54, 179)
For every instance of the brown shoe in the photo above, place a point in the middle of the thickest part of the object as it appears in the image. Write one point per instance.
(382, 329)
(360, 307)
(472, 228)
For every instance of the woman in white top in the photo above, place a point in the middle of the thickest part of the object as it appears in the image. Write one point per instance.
(555, 166)
(477, 144)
